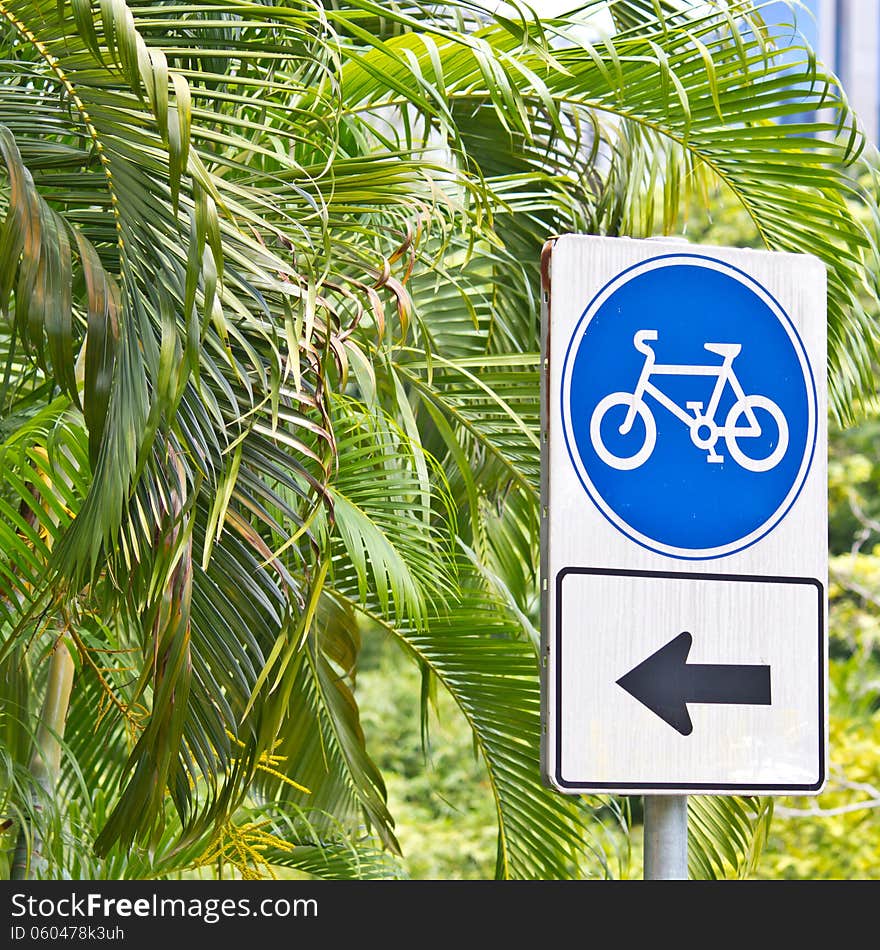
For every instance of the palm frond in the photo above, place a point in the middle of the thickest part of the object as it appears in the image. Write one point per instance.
(725, 835)
(323, 748)
(476, 651)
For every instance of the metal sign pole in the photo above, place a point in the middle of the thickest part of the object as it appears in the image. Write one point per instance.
(666, 838)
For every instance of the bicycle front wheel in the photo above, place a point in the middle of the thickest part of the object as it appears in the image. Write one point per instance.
(608, 415)
(767, 446)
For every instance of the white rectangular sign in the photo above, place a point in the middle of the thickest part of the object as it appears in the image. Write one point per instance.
(684, 544)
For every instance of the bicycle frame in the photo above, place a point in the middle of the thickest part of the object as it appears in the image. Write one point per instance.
(700, 422)
(724, 374)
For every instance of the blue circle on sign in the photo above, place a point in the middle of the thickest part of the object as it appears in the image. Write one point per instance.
(689, 406)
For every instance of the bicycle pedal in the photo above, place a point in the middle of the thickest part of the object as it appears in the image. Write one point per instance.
(715, 458)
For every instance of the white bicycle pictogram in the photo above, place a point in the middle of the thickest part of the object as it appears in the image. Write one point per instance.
(704, 430)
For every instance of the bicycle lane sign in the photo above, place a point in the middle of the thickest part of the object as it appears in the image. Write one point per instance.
(689, 418)
(684, 523)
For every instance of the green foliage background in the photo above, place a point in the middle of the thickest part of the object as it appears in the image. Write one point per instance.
(269, 280)
(442, 800)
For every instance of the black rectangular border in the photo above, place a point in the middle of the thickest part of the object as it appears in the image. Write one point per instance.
(705, 787)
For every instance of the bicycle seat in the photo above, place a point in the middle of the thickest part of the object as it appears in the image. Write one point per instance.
(724, 349)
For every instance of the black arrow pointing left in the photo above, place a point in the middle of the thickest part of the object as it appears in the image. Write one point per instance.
(665, 682)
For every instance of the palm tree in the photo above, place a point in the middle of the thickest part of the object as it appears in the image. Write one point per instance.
(269, 279)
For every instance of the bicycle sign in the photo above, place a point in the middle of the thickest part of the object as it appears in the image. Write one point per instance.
(704, 430)
(688, 406)
(684, 519)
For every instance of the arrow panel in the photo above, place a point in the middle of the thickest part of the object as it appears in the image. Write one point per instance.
(732, 703)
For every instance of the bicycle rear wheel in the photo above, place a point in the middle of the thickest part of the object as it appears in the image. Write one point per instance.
(776, 438)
